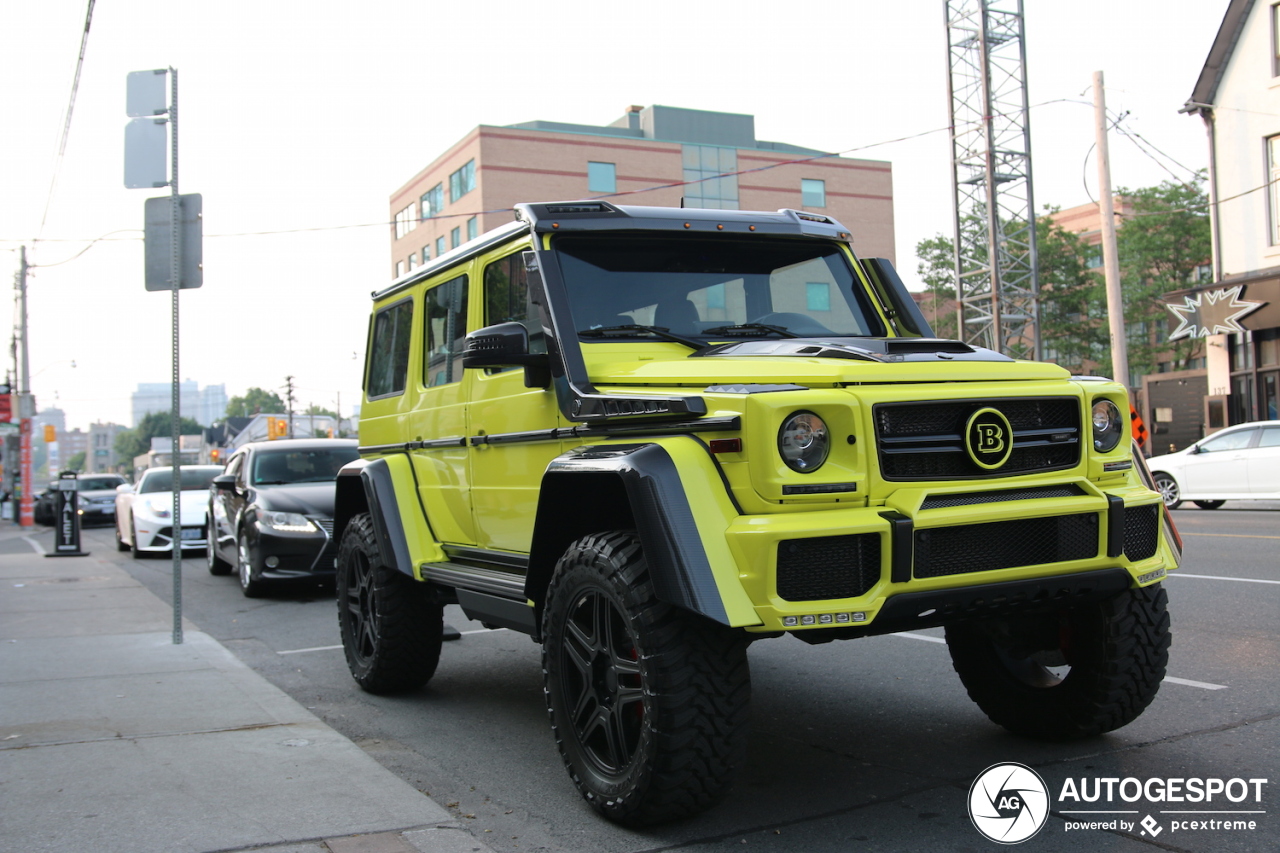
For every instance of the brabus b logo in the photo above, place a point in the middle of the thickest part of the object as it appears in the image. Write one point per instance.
(988, 438)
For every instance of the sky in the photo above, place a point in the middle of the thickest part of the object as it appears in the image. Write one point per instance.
(298, 120)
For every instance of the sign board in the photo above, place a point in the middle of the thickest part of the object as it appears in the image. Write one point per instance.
(145, 93)
(146, 154)
(159, 240)
(66, 534)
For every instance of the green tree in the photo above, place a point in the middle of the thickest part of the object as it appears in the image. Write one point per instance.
(254, 401)
(134, 442)
(1160, 245)
(320, 410)
(938, 272)
(76, 462)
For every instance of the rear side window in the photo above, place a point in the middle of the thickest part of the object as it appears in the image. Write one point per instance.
(446, 331)
(389, 350)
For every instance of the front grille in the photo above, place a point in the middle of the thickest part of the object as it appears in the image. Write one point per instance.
(1005, 544)
(1141, 531)
(1033, 493)
(925, 441)
(828, 566)
(329, 553)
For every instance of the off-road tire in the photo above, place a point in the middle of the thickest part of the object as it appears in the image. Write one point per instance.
(391, 625)
(1117, 651)
(1208, 504)
(649, 703)
(1169, 490)
(217, 565)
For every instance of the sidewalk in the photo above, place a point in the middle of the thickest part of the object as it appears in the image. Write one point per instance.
(115, 740)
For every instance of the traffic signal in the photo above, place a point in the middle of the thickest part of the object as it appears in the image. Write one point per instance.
(215, 454)
(50, 434)
(277, 428)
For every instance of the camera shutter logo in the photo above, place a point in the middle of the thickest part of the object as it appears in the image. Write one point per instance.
(988, 438)
(1008, 803)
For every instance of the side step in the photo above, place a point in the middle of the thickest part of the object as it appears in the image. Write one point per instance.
(490, 596)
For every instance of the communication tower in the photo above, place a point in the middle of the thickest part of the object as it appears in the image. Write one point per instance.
(995, 246)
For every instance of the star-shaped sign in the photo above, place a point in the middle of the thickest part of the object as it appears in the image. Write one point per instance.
(1212, 312)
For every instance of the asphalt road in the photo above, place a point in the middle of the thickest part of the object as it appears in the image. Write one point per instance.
(869, 744)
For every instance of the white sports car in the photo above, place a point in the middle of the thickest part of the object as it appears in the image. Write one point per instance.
(144, 511)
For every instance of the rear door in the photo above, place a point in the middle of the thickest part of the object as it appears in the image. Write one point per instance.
(1264, 463)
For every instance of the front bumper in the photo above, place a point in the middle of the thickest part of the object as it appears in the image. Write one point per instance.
(282, 555)
(159, 537)
(931, 557)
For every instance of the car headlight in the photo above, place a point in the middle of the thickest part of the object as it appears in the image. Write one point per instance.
(1108, 426)
(148, 508)
(804, 442)
(287, 522)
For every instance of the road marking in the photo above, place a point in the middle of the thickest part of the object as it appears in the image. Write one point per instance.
(39, 549)
(1220, 578)
(1232, 535)
(1186, 682)
(1183, 681)
(331, 648)
(312, 649)
(924, 637)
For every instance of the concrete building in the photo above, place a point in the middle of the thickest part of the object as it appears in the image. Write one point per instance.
(708, 159)
(1238, 310)
(101, 455)
(205, 405)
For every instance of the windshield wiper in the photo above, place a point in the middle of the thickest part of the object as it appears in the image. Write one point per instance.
(745, 330)
(633, 329)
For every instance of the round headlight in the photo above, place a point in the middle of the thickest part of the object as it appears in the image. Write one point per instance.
(803, 442)
(1108, 426)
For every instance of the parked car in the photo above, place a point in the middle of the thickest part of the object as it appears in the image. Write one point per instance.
(271, 512)
(1241, 462)
(144, 511)
(96, 500)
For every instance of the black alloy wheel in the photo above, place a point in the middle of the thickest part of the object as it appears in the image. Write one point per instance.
(251, 582)
(391, 625)
(216, 565)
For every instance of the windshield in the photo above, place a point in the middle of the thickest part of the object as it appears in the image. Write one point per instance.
(698, 286)
(318, 465)
(98, 484)
(192, 478)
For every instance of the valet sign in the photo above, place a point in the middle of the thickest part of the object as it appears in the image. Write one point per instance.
(1010, 803)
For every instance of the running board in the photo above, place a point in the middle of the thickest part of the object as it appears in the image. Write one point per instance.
(486, 595)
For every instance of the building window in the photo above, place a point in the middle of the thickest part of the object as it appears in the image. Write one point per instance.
(1093, 257)
(710, 173)
(472, 228)
(813, 193)
(462, 181)
(439, 246)
(426, 254)
(602, 177)
(1273, 177)
(433, 201)
(413, 260)
(1275, 40)
(399, 268)
(817, 296)
(455, 238)
(407, 220)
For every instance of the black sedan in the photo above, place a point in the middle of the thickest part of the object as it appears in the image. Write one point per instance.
(271, 512)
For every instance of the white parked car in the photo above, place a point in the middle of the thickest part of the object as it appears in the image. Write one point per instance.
(1241, 462)
(144, 511)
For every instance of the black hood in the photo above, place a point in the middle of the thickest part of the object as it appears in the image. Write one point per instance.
(307, 498)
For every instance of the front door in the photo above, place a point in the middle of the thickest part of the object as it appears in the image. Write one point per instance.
(1222, 465)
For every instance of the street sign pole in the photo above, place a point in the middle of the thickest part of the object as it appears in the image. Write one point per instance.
(175, 409)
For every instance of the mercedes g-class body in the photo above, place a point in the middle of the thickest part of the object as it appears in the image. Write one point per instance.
(648, 436)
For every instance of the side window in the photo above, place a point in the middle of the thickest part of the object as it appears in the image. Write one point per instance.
(234, 466)
(446, 329)
(1270, 437)
(1231, 441)
(507, 299)
(389, 350)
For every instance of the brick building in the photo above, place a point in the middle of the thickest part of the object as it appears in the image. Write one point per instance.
(472, 186)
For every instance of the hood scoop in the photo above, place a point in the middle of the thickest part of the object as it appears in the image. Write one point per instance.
(859, 349)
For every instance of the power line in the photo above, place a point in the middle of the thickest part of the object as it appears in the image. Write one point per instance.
(66, 126)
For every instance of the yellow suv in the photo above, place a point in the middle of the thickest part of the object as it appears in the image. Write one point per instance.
(648, 436)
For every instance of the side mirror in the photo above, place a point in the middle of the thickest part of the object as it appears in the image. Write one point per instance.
(506, 345)
(1197, 449)
(124, 489)
(225, 482)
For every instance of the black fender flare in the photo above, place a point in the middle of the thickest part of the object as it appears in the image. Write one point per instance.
(590, 489)
(366, 485)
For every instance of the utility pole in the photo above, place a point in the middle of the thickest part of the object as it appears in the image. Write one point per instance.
(288, 385)
(26, 405)
(1110, 257)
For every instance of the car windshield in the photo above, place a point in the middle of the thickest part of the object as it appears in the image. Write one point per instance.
(98, 484)
(192, 478)
(715, 289)
(315, 465)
